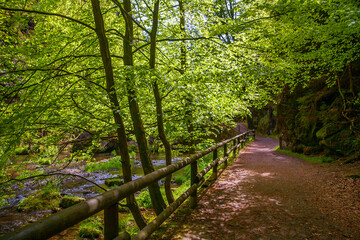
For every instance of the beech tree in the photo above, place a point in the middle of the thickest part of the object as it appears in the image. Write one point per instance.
(129, 69)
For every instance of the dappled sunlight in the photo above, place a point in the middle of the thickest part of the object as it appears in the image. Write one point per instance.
(217, 215)
(263, 195)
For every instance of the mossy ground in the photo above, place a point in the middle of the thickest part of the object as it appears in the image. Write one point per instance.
(91, 228)
(312, 159)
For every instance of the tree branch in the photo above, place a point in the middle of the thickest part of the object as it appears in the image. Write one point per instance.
(171, 40)
(49, 14)
(117, 3)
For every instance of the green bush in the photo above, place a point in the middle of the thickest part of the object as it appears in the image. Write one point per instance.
(21, 150)
(144, 200)
(91, 228)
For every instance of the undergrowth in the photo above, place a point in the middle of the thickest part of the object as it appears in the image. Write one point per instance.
(312, 159)
(91, 228)
(112, 163)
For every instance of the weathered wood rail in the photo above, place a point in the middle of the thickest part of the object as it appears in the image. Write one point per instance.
(108, 201)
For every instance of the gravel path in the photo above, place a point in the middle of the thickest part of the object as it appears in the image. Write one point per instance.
(270, 195)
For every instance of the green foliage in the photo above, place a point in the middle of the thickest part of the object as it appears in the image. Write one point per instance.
(44, 161)
(127, 223)
(144, 200)
(31, 173)
(312, 159)
(21, 150)
(112, 163)
(263, 125)
(52, 85)
(180, 179)
(204, 161)
(181, 189)
(91, 228)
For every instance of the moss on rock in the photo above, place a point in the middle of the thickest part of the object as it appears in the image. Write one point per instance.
(114, 182)
(68, 201)
(40, 200)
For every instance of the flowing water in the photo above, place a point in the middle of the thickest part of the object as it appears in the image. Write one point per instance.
(11, 219)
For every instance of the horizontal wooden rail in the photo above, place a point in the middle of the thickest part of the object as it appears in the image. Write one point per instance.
(68, 217)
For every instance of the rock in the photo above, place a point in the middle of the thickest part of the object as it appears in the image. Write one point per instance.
(82, 141)
(114, 182)
(107, 146)
(86, 191)
(31, 220)
(327, 131)
(68, 201)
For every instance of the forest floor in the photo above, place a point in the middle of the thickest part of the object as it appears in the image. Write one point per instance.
(266, 194)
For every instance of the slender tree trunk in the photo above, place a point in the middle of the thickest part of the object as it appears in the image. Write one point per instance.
(188, 103)
(249, 120)
(154, 189)
(270, 120)
(182, 29)
(110, 88)
(159, 111)
(351, 81)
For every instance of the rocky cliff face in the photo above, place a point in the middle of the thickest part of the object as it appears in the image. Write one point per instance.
(320, 118)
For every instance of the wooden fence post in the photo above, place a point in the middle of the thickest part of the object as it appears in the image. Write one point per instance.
(111, 222)
(215, 170)
(194, 180)
(225, 155)
(234, 152)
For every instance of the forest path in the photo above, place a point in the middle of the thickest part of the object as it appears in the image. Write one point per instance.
(270, 195)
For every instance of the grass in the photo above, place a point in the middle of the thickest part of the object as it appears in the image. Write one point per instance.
(312, 159)
(180, 179)
(112, 163)
(353, 176)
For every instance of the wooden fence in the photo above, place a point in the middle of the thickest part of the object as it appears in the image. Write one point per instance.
(108, 201)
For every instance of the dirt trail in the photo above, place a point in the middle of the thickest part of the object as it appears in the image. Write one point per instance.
(269, 195)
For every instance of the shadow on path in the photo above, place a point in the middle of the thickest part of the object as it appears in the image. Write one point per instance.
(270, 195)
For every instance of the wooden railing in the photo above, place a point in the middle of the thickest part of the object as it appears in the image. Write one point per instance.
(108, 201)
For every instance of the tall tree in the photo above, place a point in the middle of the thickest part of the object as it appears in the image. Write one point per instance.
(110, 89)
(158, 99)
(154, 189)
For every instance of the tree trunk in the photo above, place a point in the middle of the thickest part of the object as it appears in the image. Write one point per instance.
(159, 111)
(351, 81)
(249, 120)
(110, 89)
(188, 100)
(154, 189)
(270, 120)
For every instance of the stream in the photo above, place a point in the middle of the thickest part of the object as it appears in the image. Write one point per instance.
(11, 219)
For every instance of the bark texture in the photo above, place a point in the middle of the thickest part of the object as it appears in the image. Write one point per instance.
(154, 189)
(110, 88)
